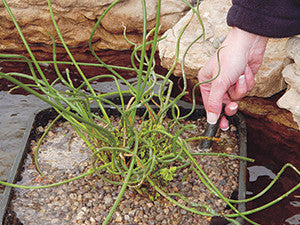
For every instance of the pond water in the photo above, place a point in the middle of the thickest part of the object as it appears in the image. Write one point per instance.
(270, 155)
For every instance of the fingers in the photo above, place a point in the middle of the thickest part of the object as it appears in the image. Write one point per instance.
(214, 93)
(215, 100)
(231, 108)
(244, 84)
(233, 83)
(204, 75)
(239, 90)
(224, 124)
(243, 51)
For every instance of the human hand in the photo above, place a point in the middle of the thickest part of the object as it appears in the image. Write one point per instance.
(240, 56)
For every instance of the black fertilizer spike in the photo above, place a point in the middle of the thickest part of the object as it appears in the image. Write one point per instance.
(210, 131)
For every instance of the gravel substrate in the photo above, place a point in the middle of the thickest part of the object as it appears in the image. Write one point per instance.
(63, 155)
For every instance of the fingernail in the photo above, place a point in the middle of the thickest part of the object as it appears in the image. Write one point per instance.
(225, 129)
(242, 79)
(233, 107)
(212, 118)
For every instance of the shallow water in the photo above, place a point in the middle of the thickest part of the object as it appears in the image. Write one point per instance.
(270, 154)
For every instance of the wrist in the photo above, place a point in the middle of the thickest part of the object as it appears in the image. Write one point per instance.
(246, 38)
(246, 42)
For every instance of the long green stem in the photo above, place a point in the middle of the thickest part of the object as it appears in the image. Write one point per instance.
(55, 184)
(270, 185)
(75, 63)
(124, 186)
(105, 133)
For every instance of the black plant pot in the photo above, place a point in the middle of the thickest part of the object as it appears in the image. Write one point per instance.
(41, 118)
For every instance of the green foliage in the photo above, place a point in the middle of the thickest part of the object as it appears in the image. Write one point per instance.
(168, 173)
(153, 198)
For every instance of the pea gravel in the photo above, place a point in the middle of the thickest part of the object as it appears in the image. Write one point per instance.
(63, 155)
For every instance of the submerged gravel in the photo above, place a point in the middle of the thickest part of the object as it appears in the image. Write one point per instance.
(63, 155)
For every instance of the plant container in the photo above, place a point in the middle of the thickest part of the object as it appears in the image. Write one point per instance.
(42, 117)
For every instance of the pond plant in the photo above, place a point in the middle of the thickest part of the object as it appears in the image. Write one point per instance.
(133, 157)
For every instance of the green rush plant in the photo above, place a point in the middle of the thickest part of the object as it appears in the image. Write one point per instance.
(133, 156)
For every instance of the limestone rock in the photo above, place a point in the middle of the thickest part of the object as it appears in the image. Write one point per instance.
(291, 73)
(269, 80)
(213, 13)
(76, 20)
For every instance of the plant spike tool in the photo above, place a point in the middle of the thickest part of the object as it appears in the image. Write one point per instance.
(210, 131)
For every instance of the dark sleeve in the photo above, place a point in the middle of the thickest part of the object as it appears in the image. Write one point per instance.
(270, 18)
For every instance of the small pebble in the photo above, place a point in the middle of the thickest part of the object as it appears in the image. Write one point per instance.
(88, 200)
